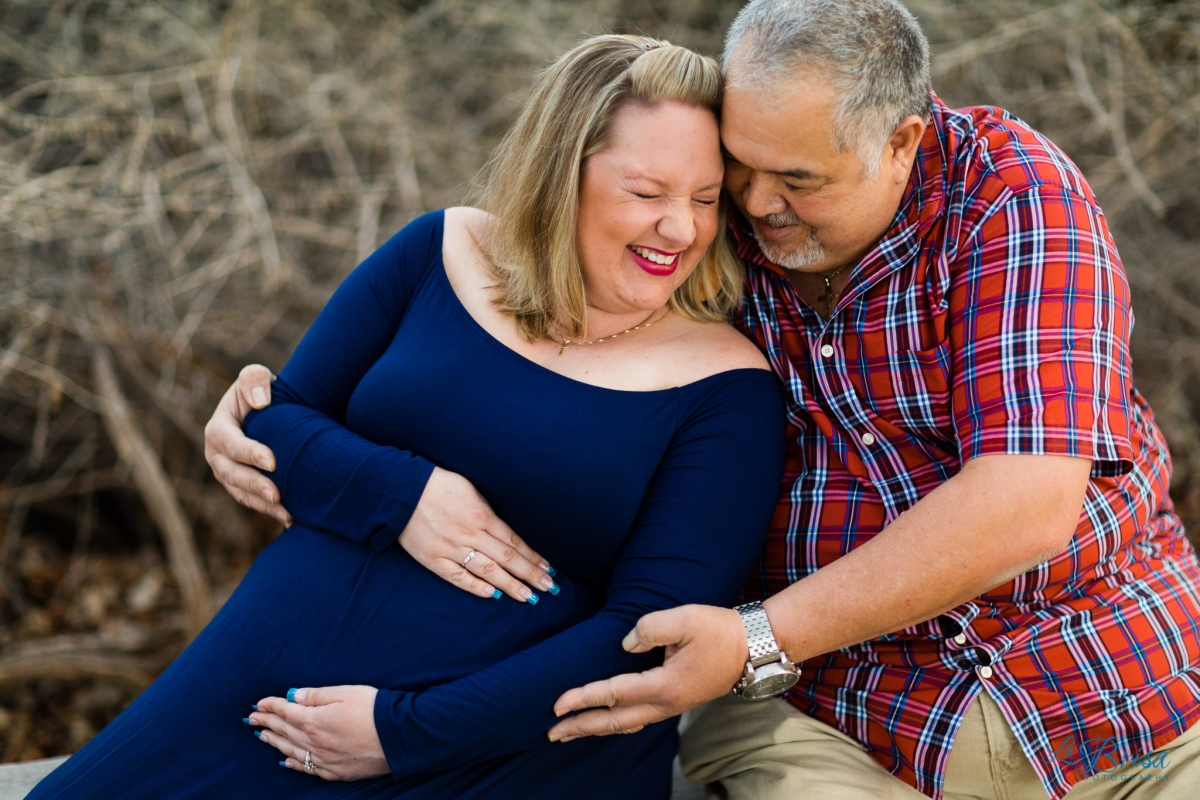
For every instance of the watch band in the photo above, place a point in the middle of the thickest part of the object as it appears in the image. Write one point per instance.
(763, 647)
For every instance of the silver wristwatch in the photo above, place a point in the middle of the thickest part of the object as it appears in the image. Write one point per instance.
(768, 672)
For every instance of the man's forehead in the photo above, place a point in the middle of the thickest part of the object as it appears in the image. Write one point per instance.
(785, 129)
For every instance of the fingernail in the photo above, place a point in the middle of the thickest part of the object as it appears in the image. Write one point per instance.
(258, 734)
(283, 763)
(549, 570)
(496, 594)
(266, 464)
(258, 396)
(254, 706)
(266, 493)
(291, 695)
(532, 599)
(301, 694)
(245, 720)
(554, 588)
(546, 582)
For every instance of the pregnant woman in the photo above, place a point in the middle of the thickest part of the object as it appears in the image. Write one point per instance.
(563, 355)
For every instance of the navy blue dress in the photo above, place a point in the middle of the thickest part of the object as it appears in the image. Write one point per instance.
(640, 500)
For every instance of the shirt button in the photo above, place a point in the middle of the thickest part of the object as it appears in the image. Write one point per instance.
(868, 439)
(960, 639)
(827, 350)
(985, 672)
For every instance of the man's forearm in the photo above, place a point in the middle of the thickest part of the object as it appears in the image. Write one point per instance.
(1000, 516)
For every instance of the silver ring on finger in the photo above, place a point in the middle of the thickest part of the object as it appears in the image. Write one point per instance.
(309, 766)
(470, 556)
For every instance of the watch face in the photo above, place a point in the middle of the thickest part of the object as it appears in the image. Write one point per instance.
(770, 685)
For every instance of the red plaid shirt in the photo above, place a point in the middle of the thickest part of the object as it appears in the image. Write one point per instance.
(993, 317)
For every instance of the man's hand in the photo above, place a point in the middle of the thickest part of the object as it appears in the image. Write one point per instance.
(335, 725)
(706, 653)
(226, 448)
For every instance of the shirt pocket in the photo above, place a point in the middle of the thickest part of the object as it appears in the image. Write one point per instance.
(920, 384)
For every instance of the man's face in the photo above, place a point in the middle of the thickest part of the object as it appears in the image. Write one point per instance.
(811, 209)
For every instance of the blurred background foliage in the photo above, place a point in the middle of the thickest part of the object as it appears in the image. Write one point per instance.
(184, 182)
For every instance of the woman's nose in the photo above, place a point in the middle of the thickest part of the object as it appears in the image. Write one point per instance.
(678, 225)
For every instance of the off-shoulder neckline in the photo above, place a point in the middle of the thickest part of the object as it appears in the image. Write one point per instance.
(444, 279)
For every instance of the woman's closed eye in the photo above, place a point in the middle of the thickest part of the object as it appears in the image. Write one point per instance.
(704, 201)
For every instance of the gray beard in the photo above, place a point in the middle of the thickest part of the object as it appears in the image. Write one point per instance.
(808, 253)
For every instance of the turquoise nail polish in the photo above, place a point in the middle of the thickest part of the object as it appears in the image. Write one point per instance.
(550, 571)
(291, 695)
(495, 594)
(254, 707)
(283, 763)
(532, 600)
(258, 734)
(245, 720)
(554, 588)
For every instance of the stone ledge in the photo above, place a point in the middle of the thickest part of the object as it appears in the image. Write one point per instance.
(17, 779)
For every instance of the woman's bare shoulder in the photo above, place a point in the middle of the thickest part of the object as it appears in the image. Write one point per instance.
(703, 349)
(464, 229)
(467, 219)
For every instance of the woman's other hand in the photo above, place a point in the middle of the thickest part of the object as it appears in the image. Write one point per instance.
(452, 521)
(334, 725)
(228, 450)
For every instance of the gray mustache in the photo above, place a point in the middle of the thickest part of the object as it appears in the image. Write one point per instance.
(780, 220)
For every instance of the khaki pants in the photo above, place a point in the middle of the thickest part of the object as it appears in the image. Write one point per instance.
(768, 750)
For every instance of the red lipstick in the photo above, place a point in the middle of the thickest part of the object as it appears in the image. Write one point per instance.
(659, 270)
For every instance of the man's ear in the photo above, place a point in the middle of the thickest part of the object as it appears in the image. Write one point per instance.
(902, 147)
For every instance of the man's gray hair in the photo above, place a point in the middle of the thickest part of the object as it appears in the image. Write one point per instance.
(872, 51)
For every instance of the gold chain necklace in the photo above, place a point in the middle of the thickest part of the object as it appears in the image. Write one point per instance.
(646, 323)
(829, 298)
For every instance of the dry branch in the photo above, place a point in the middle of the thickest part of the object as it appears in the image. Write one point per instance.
(155, 488)
(140, 671)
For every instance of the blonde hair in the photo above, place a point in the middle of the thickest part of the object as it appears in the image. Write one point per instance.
(531, 184)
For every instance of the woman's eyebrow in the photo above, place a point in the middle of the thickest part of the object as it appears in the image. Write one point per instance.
(637, 176)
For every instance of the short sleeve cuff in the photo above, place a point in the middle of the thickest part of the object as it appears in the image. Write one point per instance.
(1111, 454)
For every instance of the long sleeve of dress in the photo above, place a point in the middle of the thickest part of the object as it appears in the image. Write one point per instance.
(698, 533)
(331, 479)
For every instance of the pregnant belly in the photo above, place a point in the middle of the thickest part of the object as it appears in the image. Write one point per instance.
(384, 620)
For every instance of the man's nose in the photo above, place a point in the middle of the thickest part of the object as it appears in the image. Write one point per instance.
(761, 196)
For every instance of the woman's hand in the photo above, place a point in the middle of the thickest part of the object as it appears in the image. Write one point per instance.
(451, 521)
(334, 725)
(227, 449)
